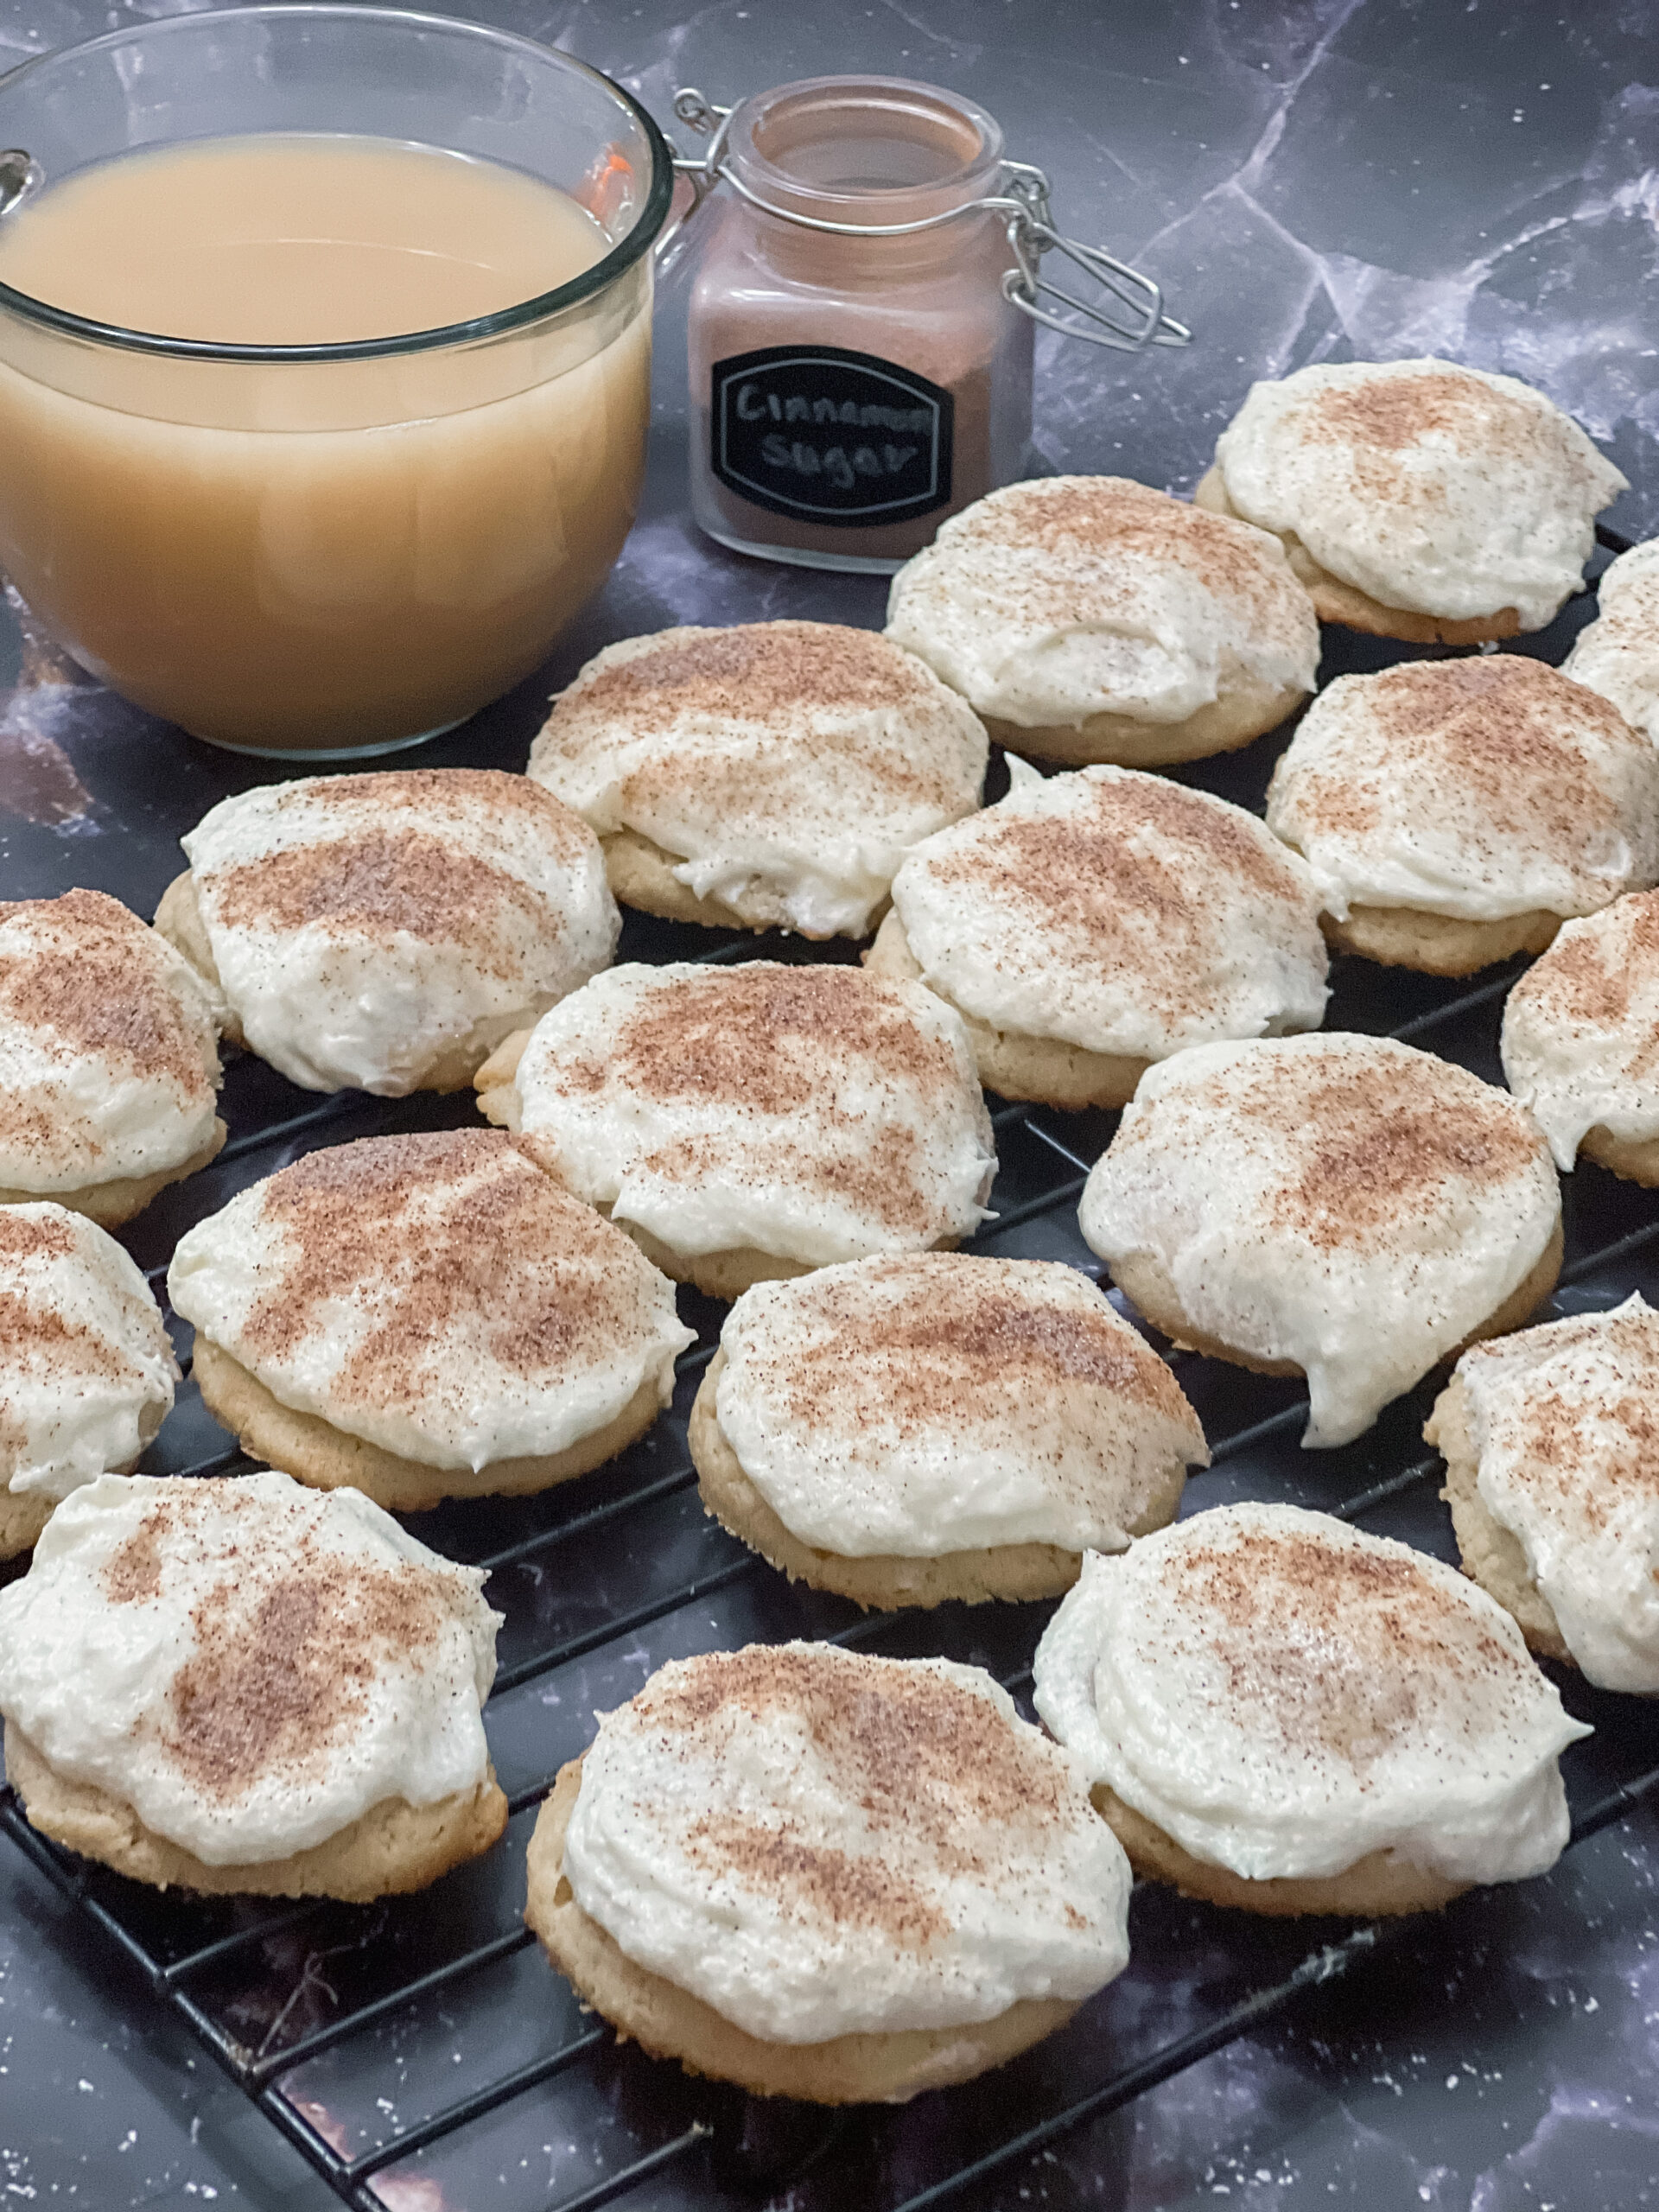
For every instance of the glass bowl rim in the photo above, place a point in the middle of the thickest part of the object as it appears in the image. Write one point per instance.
(591, 282)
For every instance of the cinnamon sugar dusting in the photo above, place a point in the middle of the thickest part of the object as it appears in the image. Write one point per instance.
(271, 1689)
(1383, 1141)
(1478, 788)
(767, 1041)
(1590, 976)
(816, 1881)
(1390, 413)
(1113, 518)
(1336, 1648)
(378, 882)
(30, 1331)
(719, 1107)
(795, 760)
(838, 774)
(1575, 979)
(758, 671)
(959, 1328)
(1513, 733)
(925, 1761)
(289, 1639)
(1145, 849)
(763, 1037)
(815, 1843)
(1606, 1452)
(440, 797)
(1383, 419)
(86, 978)
(885, 1187)
(132, 1574)
(24, 1237)
(1584, 1420)
(437, 1235)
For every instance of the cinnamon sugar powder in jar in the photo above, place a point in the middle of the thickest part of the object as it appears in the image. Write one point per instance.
(861, 319)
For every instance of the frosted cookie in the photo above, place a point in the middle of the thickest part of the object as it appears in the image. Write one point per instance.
(1417, 500)
(825, 1876)
(1617, 654)
(1454, 813)
(1089, 924)
(773, 775)
(1088, 618)
(423, 1317)
(109, 1058)
(86, 1367)
(1342, 1208)
(1551, 1441)
(748, 1123)
(1580, 1040)
(938, 1426)
(1279, 1711)
(241, 1686)
(384, 931)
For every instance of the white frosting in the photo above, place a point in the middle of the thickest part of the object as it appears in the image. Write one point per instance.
(1617, 654)
(815, 1112)
(1048, 602)
(109, 1047)
(1344, 1203)
(1117, 911)
(1565, 1424)
(1437, 488)
(437, 1295)
(817, 1844)
(786, 766)
(364, 927)
(1283, 1695)
(87, 1369)
(1581, 1030)
(249, 1664)
(1472, 788)
(942, 1402)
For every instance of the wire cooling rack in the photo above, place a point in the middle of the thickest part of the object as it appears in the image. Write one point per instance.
(422, 2053)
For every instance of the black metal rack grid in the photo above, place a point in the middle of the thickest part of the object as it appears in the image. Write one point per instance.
(427, 2037)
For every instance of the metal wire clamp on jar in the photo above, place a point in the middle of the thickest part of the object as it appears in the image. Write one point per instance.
(861, 326)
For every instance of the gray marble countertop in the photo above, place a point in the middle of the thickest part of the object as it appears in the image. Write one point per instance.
(1312, 179)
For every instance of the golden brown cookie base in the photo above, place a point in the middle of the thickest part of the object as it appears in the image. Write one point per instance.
(24, 1514)
(393, 1848)
(1145, 1282)
(641, 874)
(496, 1082)
(179, 919)
(111, 1203)
(1491, 1554)
(1636, 1160)
(1374, 1887)
(1437, 944)
(1043, 1069)
(315, 1452)
(1245, 711)
(668, 2022)
(883, 1580)
(1336, 601)
(719, 1274)
(727, 1275)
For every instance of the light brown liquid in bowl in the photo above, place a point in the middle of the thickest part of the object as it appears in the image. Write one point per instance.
(318, 555)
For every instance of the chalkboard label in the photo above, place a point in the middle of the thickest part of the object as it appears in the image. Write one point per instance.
(832, 436)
